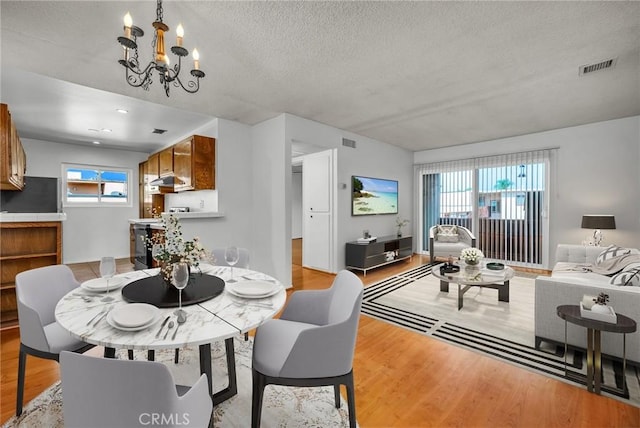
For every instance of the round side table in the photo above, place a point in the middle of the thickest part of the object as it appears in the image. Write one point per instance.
(624, 325)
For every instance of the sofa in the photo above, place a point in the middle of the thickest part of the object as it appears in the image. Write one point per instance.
(572, 278)
(449, 240)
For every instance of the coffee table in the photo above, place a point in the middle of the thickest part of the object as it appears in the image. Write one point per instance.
(475, 276)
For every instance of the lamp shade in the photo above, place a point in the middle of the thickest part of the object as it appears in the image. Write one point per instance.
(598, 222)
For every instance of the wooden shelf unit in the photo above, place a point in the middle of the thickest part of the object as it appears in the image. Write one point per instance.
(24, 246)
(385, 250)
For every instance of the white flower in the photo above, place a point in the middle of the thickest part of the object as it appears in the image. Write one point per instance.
(173, 246)
(471, 255)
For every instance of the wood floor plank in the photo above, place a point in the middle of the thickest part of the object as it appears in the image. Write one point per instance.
(404, 379)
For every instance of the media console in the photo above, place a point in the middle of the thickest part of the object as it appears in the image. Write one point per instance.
(386, 249)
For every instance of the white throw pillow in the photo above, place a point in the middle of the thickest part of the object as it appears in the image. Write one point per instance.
(447, 233)
(630, 276)
(610, 252)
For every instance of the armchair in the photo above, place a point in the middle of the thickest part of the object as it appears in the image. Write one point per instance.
(311, 344)
(38, 292)
(449, 240)
(105, 392)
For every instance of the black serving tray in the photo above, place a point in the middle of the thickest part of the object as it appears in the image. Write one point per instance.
(449, 268)
(154, 291)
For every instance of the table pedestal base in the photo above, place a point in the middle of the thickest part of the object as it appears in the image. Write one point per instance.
(503, 290)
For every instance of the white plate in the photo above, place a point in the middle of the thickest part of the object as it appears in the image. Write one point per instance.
(133, 315)
(115, 325)
(100, 284)
(252, 289)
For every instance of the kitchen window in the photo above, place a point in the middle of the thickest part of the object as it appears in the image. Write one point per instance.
(91, 185)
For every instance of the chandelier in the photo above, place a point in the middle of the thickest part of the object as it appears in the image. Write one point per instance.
(139, 77)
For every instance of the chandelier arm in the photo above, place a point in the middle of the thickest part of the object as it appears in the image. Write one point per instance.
(191, 84)
(139, 79)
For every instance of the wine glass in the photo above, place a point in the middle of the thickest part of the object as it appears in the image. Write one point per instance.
(231, 256)
(107, 270)
(180, 276)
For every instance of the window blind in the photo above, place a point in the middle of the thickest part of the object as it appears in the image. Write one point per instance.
(501, 199)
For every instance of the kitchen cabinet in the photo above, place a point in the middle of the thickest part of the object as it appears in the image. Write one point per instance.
(151, 197)
(165, 161)
(24, 246)
(14, 160)
(194, 164)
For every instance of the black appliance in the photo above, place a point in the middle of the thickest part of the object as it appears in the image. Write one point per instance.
(143, 257)
(40, 195)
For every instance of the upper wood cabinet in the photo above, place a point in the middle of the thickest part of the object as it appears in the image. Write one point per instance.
(194, 164)
(166, 161)
(14, 160)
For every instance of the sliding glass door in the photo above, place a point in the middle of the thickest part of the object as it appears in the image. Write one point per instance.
(501, 199)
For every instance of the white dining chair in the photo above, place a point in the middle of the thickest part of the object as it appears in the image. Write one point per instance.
(105, 392)
(311, 344)
(37, 293)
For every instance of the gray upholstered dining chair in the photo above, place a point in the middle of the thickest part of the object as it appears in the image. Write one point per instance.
(106, 392)
(311, 344)
(37, 293)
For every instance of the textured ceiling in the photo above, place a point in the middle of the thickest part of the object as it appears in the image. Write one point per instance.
(418, 75)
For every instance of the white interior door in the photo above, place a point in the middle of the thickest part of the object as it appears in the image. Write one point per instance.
(318, 224)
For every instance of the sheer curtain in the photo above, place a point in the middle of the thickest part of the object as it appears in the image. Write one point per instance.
(502, 199)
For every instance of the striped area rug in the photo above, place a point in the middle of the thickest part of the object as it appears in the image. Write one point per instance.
(548, 361)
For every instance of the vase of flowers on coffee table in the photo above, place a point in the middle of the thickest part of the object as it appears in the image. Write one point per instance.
(471, 256)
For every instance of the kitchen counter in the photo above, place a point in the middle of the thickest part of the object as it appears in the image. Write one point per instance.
(181, 216)
(31, 217)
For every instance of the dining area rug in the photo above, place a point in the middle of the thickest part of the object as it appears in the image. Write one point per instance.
(282, 406)
(500, 330)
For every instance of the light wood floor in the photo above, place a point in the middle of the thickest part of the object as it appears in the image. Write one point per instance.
(404, 379)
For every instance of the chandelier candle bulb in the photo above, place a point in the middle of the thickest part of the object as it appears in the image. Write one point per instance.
(128, 22)
(180, 35)
(196, 60)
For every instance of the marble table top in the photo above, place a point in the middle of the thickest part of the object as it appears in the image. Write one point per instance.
(224, 316)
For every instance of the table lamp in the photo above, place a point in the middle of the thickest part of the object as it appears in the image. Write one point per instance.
(598, 222)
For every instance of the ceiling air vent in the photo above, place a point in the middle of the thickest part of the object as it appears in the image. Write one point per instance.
(602, 65)
(158, 131)
(348, 143)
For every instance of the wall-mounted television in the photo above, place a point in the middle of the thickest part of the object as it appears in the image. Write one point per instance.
(371, 196)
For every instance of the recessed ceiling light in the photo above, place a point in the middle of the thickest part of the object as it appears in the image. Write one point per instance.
(121, 110)
(94, 130)
(106, 130)
(96, 142)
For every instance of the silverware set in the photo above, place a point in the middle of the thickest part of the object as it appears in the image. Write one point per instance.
(99, 316)
(169, 327)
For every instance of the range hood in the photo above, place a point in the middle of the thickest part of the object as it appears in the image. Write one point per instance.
(166, 181)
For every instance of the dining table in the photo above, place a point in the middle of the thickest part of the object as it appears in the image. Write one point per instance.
(227, 313)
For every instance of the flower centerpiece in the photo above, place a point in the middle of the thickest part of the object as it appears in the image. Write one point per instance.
(400, 224)
(471, 256)
(170, 247)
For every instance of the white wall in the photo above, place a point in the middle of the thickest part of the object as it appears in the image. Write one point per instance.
(271, 195)
(296, 205)
(233, 191)
(370, 158)
(88, 233)
(596, 173)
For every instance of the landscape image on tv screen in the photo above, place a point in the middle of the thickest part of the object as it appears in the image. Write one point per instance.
(373, 196)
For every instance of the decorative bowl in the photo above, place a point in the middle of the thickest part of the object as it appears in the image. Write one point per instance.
(495, 266)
